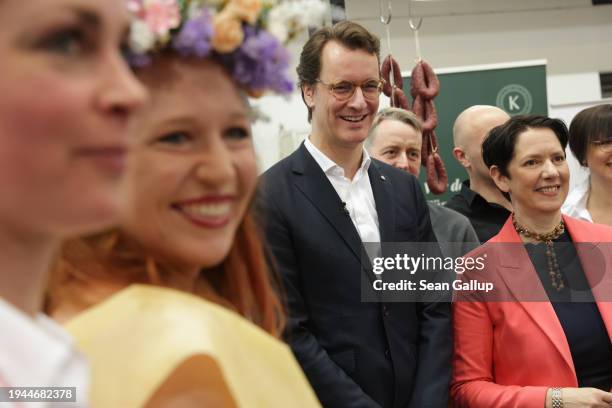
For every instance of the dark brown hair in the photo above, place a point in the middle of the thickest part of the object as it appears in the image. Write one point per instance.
(349, 34)
(498, 146)
(594, 123)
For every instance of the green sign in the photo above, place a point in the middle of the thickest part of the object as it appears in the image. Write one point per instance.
(518, 88)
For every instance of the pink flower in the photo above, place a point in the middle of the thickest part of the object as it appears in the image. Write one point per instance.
(135, 7)
(161, 15)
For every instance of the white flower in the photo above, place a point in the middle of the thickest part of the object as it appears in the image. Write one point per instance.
(141, 38)
(313, 12)
(294, 9)
(194, 10)
(288, 18)
(279, 29)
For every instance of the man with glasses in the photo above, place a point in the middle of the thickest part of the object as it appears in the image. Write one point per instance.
(320, 205)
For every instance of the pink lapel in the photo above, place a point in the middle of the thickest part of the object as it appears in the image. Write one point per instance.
(518, 273)
(595, 255)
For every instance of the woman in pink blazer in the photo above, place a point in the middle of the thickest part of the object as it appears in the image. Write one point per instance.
(534, 347)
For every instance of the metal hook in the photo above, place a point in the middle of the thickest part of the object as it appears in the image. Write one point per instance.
(432, 147)
(413, 26)
(383, 19)
(410, 23)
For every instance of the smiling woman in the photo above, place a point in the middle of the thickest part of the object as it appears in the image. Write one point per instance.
(187, 233)
(535, 252)
(66, 96)
(591, 143)
(193, 171)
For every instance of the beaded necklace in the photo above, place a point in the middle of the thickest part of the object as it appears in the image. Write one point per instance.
(547, 238)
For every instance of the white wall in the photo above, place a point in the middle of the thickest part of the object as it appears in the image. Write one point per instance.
(567, 95)
(573, 36)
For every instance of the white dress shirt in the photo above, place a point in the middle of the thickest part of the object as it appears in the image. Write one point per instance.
(37, 352)
(356, 193)
(575, 204)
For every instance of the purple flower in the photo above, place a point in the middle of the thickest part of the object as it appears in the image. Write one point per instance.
(261, 62)
(194, 37)
(138, 60)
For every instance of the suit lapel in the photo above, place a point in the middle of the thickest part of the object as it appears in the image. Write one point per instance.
(597, 268)
(383, 193)
(599, 280)
(519, 275)
(313, 183)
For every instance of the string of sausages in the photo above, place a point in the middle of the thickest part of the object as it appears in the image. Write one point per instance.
(424, 87)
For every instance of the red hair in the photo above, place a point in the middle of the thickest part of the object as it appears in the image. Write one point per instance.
(91, 268)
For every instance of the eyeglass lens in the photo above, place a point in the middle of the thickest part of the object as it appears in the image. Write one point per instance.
(346, 90)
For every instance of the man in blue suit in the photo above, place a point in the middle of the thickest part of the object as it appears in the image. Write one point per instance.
(320, 205)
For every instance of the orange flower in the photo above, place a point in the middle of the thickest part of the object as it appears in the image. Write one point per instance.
(245, 10)
(228, 34)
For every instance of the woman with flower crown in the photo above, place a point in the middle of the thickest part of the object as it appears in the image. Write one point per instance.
(66, 95)
(176, 305)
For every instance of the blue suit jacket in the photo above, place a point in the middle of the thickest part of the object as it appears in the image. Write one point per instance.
(355, 354)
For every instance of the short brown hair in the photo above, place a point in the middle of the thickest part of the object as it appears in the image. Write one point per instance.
(400, 115)
(349, 34)
(594, 123)
(499, 145)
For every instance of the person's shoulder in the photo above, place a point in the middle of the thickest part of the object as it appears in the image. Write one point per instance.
(274, 180)
(487, 250)
(450, 214)
(279, 168)
(395, 175)
(390, 171)
(457, 226)
(455, 201)
(595, 232)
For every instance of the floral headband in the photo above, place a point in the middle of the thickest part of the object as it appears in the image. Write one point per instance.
(247, 36)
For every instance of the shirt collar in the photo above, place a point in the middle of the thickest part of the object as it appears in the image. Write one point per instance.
(473, 197)
(329, 166)
(33, 342)
(575, 204)
(467, 192)
(579, 194)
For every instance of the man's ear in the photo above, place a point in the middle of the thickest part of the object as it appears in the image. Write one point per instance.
(461, 157)
(308, 94)
(501, 181)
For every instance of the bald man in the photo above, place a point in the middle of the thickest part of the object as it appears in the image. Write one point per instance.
(479, 199)
(395, 138)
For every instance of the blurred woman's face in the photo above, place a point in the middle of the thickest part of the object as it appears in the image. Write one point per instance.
(538, 174)
(65, 97)
(599, 160)
(192, 171)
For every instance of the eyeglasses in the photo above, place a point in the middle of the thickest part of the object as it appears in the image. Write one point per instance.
(603, 145)
(344, 90)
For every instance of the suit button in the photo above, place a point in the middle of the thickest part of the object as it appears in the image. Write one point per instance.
(385, 311)
(387, 353)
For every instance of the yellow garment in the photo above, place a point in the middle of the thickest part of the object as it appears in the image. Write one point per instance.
(137, 337)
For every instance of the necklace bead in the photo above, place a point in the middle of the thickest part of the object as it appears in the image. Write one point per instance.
(548, 237)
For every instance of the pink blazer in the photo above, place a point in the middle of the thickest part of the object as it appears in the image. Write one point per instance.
(507, 354)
